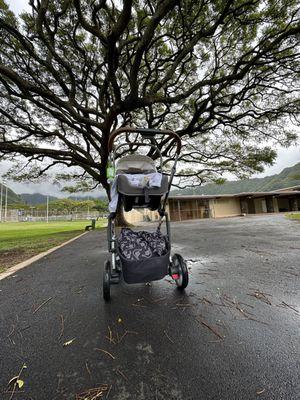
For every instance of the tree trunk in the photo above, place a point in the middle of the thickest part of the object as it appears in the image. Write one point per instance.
(120, 218)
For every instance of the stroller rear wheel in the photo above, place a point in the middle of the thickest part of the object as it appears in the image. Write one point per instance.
(106, 280)
(179, 271)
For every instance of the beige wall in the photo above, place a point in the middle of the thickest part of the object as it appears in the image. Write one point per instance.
(136, 216)
(225, 207)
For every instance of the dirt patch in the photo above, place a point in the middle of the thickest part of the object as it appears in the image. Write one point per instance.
(11, 257)
(8, 258)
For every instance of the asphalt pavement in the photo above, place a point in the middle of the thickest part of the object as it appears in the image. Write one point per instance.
(233, 335)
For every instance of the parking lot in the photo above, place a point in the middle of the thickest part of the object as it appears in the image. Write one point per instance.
(234, 334)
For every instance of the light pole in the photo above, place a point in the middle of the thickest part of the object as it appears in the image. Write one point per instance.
(5, 210)
(1, 199)
(47, 217)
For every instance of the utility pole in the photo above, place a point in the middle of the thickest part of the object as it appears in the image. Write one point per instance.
(47, 217)
(1, 200)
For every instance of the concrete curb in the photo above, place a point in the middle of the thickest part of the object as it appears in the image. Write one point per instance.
(31, 260)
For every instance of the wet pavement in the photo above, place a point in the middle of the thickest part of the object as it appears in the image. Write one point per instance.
(234, 333)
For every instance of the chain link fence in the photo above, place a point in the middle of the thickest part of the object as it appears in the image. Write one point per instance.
(14, 215)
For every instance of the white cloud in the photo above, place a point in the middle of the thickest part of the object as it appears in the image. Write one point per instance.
(18, 6)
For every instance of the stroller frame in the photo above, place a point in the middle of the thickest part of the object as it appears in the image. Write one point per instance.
(177, 266)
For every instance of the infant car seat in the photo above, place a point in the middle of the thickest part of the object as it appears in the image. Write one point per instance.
(132, 196)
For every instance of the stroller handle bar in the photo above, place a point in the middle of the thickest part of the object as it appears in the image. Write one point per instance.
(146, 132)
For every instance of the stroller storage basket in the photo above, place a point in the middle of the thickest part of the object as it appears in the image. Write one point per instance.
(147, 270)
(144, 255)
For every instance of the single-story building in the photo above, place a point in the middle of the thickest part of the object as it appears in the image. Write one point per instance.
(185, 207)
(229, 205)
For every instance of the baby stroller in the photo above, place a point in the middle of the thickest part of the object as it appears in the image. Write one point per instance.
(136, 182)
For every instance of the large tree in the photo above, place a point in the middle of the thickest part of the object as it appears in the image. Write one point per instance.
(223, 74)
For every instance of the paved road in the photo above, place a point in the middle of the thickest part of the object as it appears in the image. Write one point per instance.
(220, 340)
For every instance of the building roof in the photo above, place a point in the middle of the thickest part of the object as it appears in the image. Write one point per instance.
(297, 187)
(199, 196)
(273, 193)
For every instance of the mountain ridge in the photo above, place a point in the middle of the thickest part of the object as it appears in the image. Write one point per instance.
(288, 177)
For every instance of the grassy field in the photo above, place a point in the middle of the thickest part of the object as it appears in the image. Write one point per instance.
(293, 216)
(19, 241)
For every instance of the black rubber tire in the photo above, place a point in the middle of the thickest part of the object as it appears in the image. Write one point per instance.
(180, 265)
(106, 280)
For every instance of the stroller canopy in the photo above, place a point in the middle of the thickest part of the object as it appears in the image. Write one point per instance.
(135, 163)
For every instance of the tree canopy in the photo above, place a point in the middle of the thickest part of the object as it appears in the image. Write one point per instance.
(224, 74)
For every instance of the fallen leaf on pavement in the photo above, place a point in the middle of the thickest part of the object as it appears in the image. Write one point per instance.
(68, 342)
(20, 383)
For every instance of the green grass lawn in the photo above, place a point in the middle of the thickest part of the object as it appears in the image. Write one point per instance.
(293, 216)
(21, 240)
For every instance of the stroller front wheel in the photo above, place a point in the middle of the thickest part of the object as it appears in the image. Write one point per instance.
(106, 280)
(180, 272)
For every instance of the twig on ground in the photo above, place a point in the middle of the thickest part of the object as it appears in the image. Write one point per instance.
(110, 336)
(236, 305)
(24, 329)
(62, 326)
(247, 305)
(213, 330)
(12, 331)
(105, 352)
(118, 371)
(283, 303)
(16, 381)
(41, 305)
(205, 300)
(88, 370)
(108, 391)
(261, 296)
(93, 394)
(172, 341)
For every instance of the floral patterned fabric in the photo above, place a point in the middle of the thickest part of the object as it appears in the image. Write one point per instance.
(136, 246)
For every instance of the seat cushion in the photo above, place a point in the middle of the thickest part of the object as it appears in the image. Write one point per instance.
(124, 187)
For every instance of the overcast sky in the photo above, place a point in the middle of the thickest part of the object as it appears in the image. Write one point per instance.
(286, 157)
(18, 6)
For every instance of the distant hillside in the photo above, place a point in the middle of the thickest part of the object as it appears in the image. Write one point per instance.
(12, 197)
(36, 198)
(83, 198)
(287, 177)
